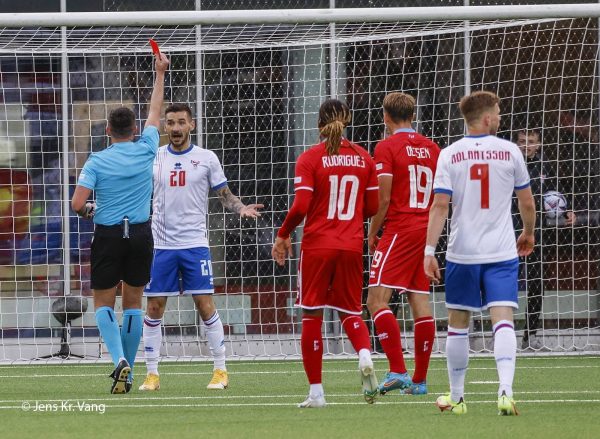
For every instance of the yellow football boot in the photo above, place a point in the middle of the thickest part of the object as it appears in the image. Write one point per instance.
(152, 382)
(219, 380)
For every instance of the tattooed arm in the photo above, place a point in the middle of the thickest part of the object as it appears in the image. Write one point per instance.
(234, 204)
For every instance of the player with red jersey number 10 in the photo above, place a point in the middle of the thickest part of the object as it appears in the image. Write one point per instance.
(479, 173)
(336, 189)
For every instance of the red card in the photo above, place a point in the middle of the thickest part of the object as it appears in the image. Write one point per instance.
(155, 49)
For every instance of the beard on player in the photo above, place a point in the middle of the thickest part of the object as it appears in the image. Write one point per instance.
(178, 138)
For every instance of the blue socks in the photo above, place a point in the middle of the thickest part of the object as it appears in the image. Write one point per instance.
(131, 334)
(121, 343)
(109, 330)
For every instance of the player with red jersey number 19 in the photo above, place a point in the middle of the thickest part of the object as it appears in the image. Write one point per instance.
(336, 189)
(406, 162)
(479, 173)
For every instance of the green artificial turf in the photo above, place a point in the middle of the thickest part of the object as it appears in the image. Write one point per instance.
(558, 398)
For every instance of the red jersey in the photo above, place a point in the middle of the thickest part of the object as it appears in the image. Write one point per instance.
(340, 184)
(411, 160)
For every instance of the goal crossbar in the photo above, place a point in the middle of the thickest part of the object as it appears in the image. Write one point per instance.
(287, 16)
(255, 87)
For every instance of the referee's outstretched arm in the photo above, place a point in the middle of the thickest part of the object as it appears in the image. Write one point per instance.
(156, 100)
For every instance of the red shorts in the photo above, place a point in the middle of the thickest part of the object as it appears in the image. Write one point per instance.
(332, 279)
(398, 262)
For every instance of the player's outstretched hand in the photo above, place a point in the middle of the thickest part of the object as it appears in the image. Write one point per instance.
(373, 241)
(281, 249)
(432, 269)
(162, 62)
(571, 218)
(525, 244)
(251, 211)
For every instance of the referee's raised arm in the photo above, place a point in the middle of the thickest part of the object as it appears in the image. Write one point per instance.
(82, 193)
(156, 100)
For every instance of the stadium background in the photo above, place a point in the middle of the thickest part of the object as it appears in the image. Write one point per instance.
(258, 113)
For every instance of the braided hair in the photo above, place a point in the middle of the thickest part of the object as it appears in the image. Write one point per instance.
(334, 116)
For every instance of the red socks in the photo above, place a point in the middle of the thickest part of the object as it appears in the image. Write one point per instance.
(424, 334)
(356, 330)
(312, 348)
(389, 337)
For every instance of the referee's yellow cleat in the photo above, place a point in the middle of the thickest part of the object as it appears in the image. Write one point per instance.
(219, 380)
(152, 382)
(506, 406)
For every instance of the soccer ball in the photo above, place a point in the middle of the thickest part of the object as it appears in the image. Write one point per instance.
(555, 204)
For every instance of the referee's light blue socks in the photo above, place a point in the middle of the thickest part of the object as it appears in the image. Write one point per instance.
(131, 334)
(106, 320)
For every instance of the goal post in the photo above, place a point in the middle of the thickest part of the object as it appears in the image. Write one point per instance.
(255, 80)
(296, 16)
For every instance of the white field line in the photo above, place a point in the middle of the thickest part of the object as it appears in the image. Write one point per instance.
(289, 404)
(167, 362)
(280, 396)
(272, 372)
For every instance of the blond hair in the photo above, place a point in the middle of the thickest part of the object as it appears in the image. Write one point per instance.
(399, 106)
(474, 105)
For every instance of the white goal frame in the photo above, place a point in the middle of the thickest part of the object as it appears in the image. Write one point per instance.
(331, 16)
(299, 16)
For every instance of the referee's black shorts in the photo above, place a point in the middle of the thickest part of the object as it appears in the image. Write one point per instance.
(115, 258)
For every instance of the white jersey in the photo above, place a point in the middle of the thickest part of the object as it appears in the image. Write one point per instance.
(182, 182)
(481, 173)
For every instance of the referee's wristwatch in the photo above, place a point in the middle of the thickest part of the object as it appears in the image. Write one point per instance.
(87, 211)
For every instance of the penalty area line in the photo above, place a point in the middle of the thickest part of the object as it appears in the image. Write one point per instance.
(388, 398)
(290, 404)
(270, 372)
(171, 362)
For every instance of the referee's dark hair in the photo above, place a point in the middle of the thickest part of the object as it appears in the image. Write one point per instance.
(121, 122)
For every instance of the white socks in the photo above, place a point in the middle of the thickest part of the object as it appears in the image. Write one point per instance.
(364, 355)
(216, 340)
(316, 390)
(152, 334)
(505, 352)
(457, 353)
(153, 338)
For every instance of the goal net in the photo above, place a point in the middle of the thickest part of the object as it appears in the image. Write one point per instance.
(255, 90)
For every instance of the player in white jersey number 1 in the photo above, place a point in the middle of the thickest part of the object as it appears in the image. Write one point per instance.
(183, 176)
(479, 173)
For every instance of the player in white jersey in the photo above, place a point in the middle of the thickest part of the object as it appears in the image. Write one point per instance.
(183, 176)
(479, 173)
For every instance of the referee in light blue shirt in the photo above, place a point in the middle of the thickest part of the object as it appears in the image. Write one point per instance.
(122, 248)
